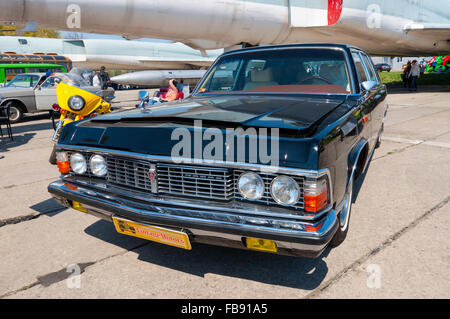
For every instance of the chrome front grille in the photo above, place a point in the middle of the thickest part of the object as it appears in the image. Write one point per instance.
(127, 172)
(194, 181)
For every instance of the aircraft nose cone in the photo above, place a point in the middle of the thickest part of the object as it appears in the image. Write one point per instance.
(121, 79)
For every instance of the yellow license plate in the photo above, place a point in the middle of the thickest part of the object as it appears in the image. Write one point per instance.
(154, 233)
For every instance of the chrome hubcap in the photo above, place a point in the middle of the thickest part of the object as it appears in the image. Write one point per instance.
(14, 113)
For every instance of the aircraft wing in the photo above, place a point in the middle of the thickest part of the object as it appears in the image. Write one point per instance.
(438, 31)
(201, 62)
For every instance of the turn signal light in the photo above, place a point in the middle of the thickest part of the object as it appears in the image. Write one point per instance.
(63, 167)
(316, 195)
(312, 228)
(261, 245)
(62, 161)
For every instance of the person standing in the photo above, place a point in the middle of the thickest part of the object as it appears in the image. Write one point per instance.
(104, 78)
(414, 74)
(403, 75)
(96, 80)
(406, 71)
(423, 67)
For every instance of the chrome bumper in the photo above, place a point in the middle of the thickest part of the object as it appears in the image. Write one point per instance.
(203, 225)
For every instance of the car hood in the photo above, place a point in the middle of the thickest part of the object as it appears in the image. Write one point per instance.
(284, 112)
(155, 131)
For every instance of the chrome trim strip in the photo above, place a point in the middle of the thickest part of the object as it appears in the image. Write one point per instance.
(236, 207)
(153, 183)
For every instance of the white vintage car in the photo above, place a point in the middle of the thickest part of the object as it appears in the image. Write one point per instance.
(34, 92)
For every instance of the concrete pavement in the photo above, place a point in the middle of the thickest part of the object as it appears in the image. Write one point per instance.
(397, 246)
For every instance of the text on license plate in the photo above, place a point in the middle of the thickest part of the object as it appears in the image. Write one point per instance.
(154, 233)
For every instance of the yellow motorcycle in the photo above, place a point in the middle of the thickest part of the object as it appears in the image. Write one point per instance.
(75, 104)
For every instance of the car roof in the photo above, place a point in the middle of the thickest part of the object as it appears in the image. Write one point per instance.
(300, 45)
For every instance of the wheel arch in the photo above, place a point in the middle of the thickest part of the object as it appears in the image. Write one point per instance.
(15, 100)
(357, 160)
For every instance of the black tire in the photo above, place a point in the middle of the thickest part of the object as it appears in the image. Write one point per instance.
(343, 227)
(16, 112)
(52, 158)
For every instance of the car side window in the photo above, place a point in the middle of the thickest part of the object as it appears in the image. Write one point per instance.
(48, 83)
(360, 68)
(372, 73)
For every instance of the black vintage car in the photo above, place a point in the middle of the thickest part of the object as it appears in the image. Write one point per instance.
(263, 156)
(383, 67)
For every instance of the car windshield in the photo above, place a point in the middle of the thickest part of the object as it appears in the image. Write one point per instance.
(24, 81)
(73, 79)
(70, 78)
(279, 71)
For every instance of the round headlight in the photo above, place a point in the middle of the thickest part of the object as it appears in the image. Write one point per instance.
(98, 165)
(76, 102)
(78, 163)
(285, 190)
(251, 186)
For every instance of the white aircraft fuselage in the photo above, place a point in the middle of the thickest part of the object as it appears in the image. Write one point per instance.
(159, 77)
(381, 27)
(115, 54)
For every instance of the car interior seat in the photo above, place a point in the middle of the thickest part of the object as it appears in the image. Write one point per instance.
(260, 78)
(335, 73)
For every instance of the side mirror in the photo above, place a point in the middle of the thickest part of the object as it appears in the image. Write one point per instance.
(144, 96)
(369, 85)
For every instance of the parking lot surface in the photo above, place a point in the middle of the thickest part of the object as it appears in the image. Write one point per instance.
(397, 246)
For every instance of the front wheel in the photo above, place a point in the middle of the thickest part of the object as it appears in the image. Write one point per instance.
(15, 113)
(344, 218)
(52, 159)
